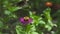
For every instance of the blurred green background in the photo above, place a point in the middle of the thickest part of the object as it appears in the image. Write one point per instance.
(12, 10)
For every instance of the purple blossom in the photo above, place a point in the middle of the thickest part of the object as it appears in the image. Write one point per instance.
(25, 20)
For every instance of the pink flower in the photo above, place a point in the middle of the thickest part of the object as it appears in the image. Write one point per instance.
(25, 20)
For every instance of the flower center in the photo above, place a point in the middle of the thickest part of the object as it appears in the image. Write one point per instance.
(26, 18)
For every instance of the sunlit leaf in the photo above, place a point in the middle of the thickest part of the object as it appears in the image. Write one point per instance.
(34, 33)
(19, 29)
(33, 28)
(52, 32)
(7, 12)
(48, 27)
(12, 9)
(41, 22)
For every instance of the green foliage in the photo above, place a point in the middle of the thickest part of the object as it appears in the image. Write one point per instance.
(38, 20)
(10, 21)
(1, 24)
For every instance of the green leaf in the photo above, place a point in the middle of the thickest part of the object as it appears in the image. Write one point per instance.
(28, 27)
(34, 17)
(48, 27)
(1, 24)
(52, 32)
(0, 32)
(7, 12)
(47, 13)
(33, 28)
(13, 15)
(34, 33)
(12, 9)
(50, 23)
(19, 29)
